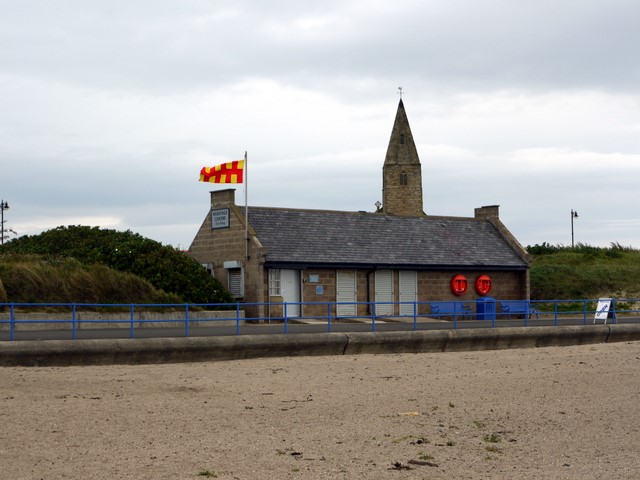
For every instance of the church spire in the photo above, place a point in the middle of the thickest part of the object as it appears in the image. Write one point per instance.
(402, 172)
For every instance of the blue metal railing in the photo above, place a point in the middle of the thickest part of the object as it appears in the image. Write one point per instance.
(75, 317)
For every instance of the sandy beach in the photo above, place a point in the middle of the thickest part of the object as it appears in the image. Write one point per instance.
(561, 413)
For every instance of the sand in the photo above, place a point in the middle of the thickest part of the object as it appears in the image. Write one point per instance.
(561, 413)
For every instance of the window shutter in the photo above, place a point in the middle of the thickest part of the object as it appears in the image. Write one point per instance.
(236, 283)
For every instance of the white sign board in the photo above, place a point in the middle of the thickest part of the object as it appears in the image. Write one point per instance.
(220, 218)
(602, 310)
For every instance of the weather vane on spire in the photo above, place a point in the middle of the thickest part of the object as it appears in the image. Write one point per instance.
(400, 92)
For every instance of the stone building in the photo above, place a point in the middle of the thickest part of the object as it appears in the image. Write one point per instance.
(343, 261)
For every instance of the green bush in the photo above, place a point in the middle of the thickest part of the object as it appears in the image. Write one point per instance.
(165, 267)
(3, 292)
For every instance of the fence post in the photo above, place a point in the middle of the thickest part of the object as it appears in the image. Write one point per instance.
(455, 316)
(373, 315)
(614, 318)
(131, 317)
(555, 313)
(415, 315)
(237, 318)
(186, 319)
(12, 322)
(328, 317)
(284, 311)
(73, 321)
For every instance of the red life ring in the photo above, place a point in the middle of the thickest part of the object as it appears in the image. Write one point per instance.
(483, 284)
(459, 285)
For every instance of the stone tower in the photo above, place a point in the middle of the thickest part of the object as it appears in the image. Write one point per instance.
(402, 172)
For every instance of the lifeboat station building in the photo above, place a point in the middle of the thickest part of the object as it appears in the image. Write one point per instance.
(396, 257)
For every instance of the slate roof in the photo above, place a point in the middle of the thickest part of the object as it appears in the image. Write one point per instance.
(357, 239)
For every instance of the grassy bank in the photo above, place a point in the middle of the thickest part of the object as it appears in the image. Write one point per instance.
(584, 272)
(32, 278)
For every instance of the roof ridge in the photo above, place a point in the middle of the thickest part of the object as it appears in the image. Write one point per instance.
(311, 210)
(362, 212)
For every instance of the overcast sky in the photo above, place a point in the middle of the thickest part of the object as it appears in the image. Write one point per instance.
(109, 108)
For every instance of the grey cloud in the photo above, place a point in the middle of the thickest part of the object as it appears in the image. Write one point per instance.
(165, 46)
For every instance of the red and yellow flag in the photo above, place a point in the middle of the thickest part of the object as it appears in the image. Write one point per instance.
(230, 172)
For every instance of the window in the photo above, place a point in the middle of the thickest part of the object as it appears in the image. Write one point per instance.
(402, 139)
(209, 268)
(275, 288)
(403, 179)
(236, 282)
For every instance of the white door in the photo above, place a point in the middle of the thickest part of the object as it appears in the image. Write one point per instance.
(408, 286)
(346, 292)
(384, 292)
(290, 287)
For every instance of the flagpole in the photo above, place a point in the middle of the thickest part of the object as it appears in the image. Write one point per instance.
(246, 206)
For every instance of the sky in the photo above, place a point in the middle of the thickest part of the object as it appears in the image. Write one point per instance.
(110, 108)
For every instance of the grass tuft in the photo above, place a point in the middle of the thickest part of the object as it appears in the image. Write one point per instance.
(492, 438)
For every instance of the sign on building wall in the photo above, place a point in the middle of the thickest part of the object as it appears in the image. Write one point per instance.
(220, 218)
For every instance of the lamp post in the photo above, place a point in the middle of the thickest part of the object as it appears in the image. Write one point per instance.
(574, 214)
(3, 206)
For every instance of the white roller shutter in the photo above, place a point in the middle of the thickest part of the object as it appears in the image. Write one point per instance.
(236, 282)
(346, 292)
(384, 292)
(408, 285)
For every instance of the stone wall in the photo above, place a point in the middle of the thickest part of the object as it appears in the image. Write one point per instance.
(402, 199)
(432, 285)
(220, 246)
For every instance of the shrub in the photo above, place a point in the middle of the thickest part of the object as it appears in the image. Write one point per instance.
(165, 267)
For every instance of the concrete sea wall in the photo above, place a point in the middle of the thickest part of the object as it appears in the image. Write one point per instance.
(210, 349)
